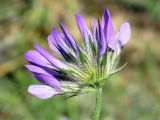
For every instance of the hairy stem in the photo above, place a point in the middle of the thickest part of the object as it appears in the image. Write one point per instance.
(97, 111)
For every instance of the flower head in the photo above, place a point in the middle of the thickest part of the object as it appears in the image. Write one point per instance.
(84, 67)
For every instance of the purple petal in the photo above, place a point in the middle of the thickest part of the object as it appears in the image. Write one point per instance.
(34, 57)
(49, 80)
(95, 31)
(42, 91)
(59, 39)
(94, 28)
(108, 30)
(53, 60)
(52, 43)
(102, 42)
(69, 38)
(124, 34)
(56, 41)
(82, 26)
(37, 70)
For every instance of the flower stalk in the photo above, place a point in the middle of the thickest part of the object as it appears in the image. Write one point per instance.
(97, 111)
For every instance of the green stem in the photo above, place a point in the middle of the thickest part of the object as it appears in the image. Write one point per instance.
(97, 111)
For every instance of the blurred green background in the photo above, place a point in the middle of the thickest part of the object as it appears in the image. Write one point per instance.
(132, 94)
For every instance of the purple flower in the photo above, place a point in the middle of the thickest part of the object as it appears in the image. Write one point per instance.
(85, 67)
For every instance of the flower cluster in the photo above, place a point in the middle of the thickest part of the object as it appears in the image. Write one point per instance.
(84, 68)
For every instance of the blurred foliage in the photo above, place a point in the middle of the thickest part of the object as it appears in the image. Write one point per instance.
(150, 6)
(133, 94)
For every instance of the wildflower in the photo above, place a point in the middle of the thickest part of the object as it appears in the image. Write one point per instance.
(85, 68)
